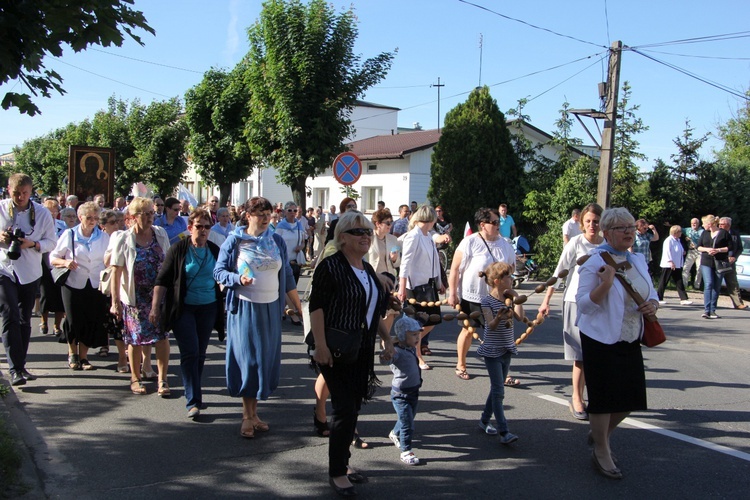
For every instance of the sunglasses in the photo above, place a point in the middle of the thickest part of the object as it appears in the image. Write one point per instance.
(351, 205)
(493, 222)
(359, 231)
(387, 223)
(201, 227)
(292, 210)
(160, 204)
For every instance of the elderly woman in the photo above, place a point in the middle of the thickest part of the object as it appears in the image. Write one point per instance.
(192, 303)
(347, 295)
(294, 235)
(474, 254)
(578, 246)
(109, 222)
(713, 245)
(672, 259)
(223, 224)
(137, 256)
(69, 216)
(50, 298)
(254, 269)
(420, 270)
(611, 326)
(81, 250)
(171, 221)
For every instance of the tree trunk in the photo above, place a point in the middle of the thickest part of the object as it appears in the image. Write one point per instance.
(299, 192)
(225, 193)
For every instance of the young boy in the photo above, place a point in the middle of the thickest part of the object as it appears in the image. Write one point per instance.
(407, 380)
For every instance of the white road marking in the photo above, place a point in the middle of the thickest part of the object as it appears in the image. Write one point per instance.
(664, 432)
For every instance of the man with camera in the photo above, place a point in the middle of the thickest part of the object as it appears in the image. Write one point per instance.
(26, 231)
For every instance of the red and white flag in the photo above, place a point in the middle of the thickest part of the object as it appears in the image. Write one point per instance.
(467, 230)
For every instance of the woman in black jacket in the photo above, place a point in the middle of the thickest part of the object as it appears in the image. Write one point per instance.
(192, 304)
(714, 246)
(347, 295)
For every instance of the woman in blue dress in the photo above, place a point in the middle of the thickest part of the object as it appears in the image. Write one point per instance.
(254, 269)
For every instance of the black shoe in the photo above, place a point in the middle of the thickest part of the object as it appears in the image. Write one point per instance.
(357, 478)
(342, 492)
(610, 474)
(28, 376)
(17, 379)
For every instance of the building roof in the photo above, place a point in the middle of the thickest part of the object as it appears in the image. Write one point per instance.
(366, 104)
(389, 147)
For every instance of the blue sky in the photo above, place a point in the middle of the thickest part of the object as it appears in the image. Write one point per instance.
(440, 39)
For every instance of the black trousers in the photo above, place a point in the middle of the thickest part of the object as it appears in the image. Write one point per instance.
(676, 276)
(346, 402)
(16, 304)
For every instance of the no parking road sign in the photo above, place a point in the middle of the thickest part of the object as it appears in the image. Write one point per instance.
(347, 168)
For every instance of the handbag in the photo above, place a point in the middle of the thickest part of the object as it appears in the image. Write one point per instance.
(60, 274)
(427, 292)
(344, 345)
(105, 278)
(722, 267)
(653, 333)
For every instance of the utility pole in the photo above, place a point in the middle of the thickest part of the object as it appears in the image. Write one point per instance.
(438, 85)
(608, 134)
(481, 43)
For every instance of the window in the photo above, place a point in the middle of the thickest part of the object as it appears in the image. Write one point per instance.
(245, 191)
(320, 198)
(372, 167)
(370, 197)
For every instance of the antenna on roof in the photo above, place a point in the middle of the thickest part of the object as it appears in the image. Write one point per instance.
(438, 85)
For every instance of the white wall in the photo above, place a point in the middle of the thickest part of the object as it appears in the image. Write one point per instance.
(369, 122)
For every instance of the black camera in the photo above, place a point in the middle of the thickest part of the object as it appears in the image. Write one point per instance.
(14, 249)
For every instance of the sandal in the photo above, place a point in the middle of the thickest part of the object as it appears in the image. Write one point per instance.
(424, 366)
(123, 369)
(512, 382)
(462, 374)
(137, 387)
(260, 425)
(321, 428)
(104, 352)
(359, 443)
(74, 362)
(85, 365)
(247, 431)
(164, 391)
(426, 350)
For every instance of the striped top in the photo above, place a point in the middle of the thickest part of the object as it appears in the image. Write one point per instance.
(500, 340)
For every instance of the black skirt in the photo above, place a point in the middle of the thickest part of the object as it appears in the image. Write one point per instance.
(85, 316)
(615, 377)
(50, 299)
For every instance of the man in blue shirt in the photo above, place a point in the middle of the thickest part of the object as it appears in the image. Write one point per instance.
(171, 221)
(401, 226)
(693, 257)
(507, 224)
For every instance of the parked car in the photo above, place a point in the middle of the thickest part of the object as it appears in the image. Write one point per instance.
(743, 265)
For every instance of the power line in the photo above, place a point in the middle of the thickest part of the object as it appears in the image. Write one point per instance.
(146, 62)
(111, 79)
(531, 25)
(570, 77)
(606, 19)
(697, 56)
(692, 75)
(709, 38)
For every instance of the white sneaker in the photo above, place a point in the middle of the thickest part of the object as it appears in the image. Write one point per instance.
(662, 302)
(686, 302)
(395, 439)
(488, 428)
(409, 459)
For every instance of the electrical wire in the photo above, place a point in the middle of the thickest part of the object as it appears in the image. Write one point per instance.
(111, 79)
(606, 19)
(146, 62)
(570, 77)
(697, 56)
(529, 24)
(710, 38)
(693, 75)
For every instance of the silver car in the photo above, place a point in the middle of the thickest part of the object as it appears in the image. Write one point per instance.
(743, 265)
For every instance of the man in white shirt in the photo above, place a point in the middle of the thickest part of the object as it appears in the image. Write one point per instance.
(21, 269)
(572, 226)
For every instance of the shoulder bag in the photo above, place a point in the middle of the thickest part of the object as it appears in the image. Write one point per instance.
(60, 274)
(427, 292)
(722, 266)
(653, 333)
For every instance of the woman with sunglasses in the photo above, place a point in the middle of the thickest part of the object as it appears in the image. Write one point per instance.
(254, 269)
(475, 253)
(192, 302)
(137, 256)
(171, 221)
(578, 246)
(385, 252)
(347, 295)
(81, 250)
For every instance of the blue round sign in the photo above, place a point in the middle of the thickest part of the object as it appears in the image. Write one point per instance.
(347, 169)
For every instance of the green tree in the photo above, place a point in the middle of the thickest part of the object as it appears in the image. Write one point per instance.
(304, 79)
(216, 111)
(736, 136)
(474, 164)
(30, 31)
(625, 172)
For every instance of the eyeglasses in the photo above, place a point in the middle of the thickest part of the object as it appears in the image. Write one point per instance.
(292, 210)
(387, 222)
(201, 227)
(359, 231)
(110, 222)
(351, 205)
(91, 218)
(623, 229)
(160, 204)
(176, 208)
(262, 215)
(493, 222)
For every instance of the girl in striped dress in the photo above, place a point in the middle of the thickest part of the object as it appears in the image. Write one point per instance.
(498, 345)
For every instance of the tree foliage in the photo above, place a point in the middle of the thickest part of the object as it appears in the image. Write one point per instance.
(626, 174)
(32, 30)
(474, 164)
(736, 136)
(305, 79)
(216, 110)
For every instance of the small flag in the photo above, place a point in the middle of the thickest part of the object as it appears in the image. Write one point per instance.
(467, 230)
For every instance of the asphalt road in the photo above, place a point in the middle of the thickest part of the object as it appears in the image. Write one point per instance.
(89, 437)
